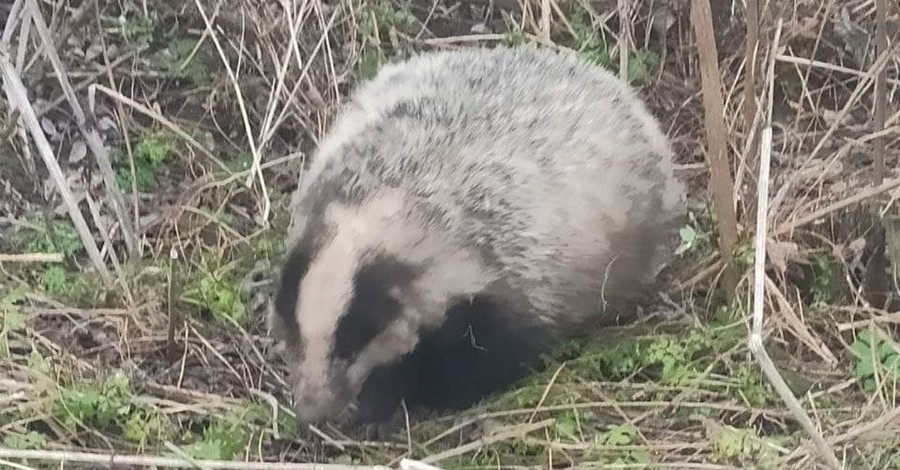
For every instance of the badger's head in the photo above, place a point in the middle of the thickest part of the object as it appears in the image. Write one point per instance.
(362, 283)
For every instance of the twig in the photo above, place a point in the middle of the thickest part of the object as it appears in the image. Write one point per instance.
(842, 204)
(750, 54)
(91, 136)
(31, 258)
(407, 464)
(861, 88)
(716, 133)
(500, 436)
(18, 99)
(244, 116)
(92, 91)
(880, 88)
(171, 462)
(810, 63)
(625, 26)
(756, 334)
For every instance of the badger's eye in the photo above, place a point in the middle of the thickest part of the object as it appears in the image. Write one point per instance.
(377, 289)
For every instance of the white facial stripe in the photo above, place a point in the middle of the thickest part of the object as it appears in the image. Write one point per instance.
(327, 288)
(325, 294)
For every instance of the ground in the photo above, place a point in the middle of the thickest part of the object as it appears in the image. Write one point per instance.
(167, 356)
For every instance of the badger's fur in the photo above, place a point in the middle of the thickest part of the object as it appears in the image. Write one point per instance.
(466, 209)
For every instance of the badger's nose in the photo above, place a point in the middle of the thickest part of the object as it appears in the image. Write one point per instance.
(314, 412)
(321, 404)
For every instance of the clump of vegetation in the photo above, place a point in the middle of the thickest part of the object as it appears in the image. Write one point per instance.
(52, 236)
(215, 288)
(877, 363)
(377, 21)
(185, 59)
(108, 403)
(742, 446)
(11, 319)
(149, 154)
(593, 47)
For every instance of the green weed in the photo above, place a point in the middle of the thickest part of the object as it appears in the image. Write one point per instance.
(216, 289)
(59, 236)
(95, 404)
(149, 155)
(376, 22)
(12, 320)
(180, 61)
(877, 361)
(820, 287)
(136, 31)
(107, 405)
(593, 47)
(741, 446)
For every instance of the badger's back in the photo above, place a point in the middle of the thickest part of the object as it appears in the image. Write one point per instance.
(550, 168)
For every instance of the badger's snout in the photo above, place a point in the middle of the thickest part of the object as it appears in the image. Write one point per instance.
(318, 401)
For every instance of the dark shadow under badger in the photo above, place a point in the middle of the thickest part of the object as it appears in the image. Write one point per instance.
(466, 211)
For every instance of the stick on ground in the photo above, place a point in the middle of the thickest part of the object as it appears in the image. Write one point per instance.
(756, 334)
(18, 99)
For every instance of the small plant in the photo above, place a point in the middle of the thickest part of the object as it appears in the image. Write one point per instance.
(376, 22)
(180, 61)
(149, 154)
(106, 404)
(25, 440)
(222, 439)
(11, 319)
(742, 446)
(625, 435)
(59, 237)
(696, 234)
(96, 404)
(593, 47)
(136, 31)
(821, 281)
(877, 361)
(382, 16)
(217, 291)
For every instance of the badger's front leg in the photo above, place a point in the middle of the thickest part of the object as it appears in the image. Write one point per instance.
(379, 400)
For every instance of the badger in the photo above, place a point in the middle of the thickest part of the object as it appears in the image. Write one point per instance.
(466, 211)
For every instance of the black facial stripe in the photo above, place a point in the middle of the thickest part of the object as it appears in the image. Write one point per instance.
(295, 267)
(373, 307)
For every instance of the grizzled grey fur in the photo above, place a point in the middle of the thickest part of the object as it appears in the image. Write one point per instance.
(466, 210)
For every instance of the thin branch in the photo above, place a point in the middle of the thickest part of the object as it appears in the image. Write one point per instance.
(18, 99)
(759, 275)
(267, 204)
(170, 462)
(842, 204)
(716, 134)
(31, 258)
(92, 137)
(751, 47)
(514, 431)
(880, 87)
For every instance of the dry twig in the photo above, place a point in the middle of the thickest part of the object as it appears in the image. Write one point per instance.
(716, 139)
(756, 335)
(169, 462)
(31, 258)
(92, 137)
(18, 99)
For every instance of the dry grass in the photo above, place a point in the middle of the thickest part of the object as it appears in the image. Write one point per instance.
(207, 109)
